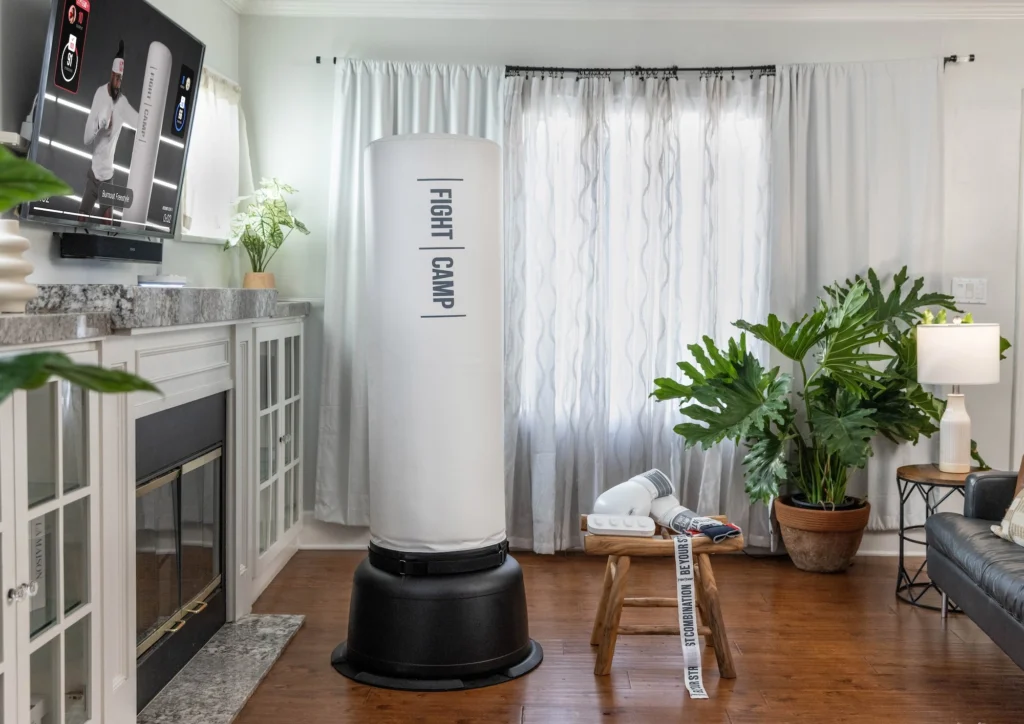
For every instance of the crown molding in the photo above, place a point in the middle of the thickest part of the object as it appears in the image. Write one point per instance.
(763, 10)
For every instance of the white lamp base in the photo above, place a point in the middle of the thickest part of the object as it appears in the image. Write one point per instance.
(955, 437)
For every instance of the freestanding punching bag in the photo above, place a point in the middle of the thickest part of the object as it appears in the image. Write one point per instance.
(438, 604)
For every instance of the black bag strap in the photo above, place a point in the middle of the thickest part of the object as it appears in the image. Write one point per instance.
(402, 563)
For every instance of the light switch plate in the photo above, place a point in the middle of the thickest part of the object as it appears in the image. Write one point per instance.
(970, 290)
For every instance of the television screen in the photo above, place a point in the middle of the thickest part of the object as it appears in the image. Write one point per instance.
(113, 116)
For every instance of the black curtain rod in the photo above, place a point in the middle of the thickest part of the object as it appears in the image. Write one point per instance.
(546, 70)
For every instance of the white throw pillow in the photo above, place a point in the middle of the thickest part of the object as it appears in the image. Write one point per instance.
(1012, 527)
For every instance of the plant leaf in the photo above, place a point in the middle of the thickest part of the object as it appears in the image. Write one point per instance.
(976, 456)
(31, 371)
(846, 432)
(22, 181)
(792, 340)
(666, 388)
(849, 330)
(734, 398)
(765, 464)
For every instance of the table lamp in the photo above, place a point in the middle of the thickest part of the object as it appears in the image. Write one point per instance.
(957, 354)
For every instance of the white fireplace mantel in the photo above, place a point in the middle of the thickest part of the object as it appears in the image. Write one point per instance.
(187, 362)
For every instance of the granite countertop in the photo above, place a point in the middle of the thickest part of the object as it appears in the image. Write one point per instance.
(66, 312)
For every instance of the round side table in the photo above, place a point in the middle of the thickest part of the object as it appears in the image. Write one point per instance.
(934, 486)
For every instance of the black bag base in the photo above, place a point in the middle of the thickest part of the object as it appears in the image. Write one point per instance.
(437, 632)
(339, 660)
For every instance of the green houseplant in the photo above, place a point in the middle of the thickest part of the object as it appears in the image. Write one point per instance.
(262, 229)
(855, 358)
(22, 181)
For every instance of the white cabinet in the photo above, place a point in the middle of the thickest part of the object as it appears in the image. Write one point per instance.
(49, 554)
(277, 470)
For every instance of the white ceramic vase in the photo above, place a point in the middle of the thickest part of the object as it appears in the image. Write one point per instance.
(14, 291)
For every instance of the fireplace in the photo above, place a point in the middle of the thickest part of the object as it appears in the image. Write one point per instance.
(180, 519)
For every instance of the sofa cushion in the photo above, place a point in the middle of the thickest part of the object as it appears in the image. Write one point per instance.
(1012, 527)
(996, 565)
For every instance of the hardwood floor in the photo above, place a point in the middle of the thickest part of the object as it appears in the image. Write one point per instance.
(808, 648)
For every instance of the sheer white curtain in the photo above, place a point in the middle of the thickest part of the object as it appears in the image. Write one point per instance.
(373, 100)
(218, 169)
(858, 182)
(636, 221)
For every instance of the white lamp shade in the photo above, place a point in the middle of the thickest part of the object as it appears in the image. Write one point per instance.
(958, 354)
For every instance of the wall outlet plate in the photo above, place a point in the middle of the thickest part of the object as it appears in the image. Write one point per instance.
(970, 290)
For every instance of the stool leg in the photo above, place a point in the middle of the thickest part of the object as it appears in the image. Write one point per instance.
(715, 621)
(610, 626)
(602, 605)
(702, 611)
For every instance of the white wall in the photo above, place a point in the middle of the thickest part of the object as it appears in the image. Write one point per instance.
(289, 105)
(23, 25)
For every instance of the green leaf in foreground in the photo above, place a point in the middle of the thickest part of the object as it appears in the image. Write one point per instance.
(32, 371)
(22, 180)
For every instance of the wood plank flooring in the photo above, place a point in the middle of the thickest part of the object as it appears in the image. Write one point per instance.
(808, 648)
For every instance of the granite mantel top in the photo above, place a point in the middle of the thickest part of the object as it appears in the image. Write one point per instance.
(66, 312)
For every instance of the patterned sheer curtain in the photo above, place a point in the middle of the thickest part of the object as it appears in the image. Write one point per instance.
(636, 221)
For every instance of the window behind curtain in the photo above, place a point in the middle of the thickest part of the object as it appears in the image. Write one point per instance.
(217, 172)
(636, 222)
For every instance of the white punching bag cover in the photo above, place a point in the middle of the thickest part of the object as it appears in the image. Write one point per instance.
(435, 367)
(147, 135)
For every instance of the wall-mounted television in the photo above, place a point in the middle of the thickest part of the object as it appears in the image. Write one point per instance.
(113, 119)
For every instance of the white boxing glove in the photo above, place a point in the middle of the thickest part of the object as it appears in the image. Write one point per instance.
(669, 513)
(664, 509)
(634, 497)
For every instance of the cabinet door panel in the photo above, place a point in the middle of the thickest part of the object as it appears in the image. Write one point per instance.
(8, 574)
(52, 668)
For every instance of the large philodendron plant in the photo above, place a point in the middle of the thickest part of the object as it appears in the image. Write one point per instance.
(856, 361)
(22, 181)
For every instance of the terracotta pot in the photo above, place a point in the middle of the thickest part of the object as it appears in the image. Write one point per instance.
(818, 540)
(258, 280)
(14, 291)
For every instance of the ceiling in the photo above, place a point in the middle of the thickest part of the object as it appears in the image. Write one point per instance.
(642, 9)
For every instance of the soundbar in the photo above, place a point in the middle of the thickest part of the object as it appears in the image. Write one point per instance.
(111, 248)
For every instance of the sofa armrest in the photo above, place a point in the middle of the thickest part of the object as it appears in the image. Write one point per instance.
(987, 495)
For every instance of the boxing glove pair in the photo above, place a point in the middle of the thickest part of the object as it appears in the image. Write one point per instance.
(651, 494)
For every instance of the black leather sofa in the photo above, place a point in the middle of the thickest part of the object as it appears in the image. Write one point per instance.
(977, 569)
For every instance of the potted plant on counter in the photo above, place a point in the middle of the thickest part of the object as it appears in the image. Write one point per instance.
(262, 229)
(855, 358)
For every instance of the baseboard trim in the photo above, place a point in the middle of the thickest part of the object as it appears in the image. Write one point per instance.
(317, 535)
(887, 543)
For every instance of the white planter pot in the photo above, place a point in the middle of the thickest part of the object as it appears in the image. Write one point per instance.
(14, 291)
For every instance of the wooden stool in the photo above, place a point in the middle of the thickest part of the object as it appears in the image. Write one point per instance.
(619, 550)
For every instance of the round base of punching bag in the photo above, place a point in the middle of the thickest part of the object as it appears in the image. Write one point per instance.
(437, 631)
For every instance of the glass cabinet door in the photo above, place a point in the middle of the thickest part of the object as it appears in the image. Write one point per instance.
(268, 430)
(8, 578)
(54, 595)
(292, 413)
(278, 482)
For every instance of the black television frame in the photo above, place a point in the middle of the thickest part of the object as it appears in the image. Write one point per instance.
(84, 238)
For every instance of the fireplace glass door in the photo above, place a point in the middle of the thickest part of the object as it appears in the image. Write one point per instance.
(179, 554)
